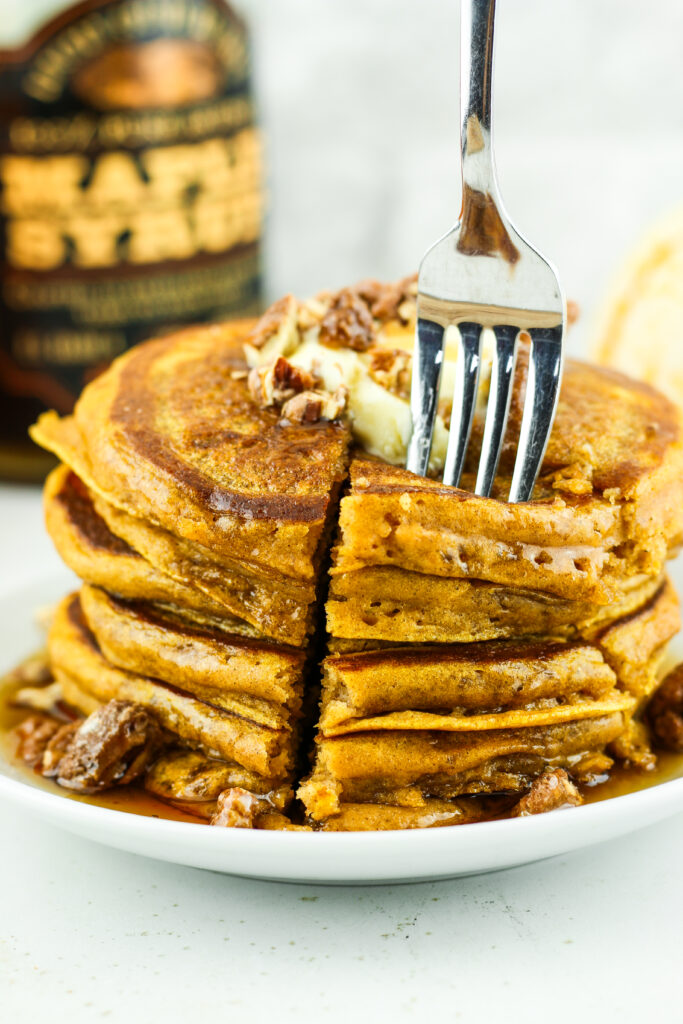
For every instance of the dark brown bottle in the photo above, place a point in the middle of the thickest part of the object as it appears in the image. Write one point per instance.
(130, 194)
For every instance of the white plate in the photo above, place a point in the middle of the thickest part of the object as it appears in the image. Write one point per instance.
(334, 858)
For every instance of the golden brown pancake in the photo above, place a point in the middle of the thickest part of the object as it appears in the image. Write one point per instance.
(502, 674)
(215, 665)
(401, 702)
(190, 777)
(407, 767)
(465, 687)
(87, 545)
(385, 603)
(171, 435)
(607, 506)
(635, 645)
(473, 643)
(278, 607)
(83, 671)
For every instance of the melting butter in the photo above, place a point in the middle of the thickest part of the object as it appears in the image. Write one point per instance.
(380, 419)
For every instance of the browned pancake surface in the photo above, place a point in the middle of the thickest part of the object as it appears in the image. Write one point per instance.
(169, 433)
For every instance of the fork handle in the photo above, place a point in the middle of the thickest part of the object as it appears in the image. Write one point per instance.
(476, 72)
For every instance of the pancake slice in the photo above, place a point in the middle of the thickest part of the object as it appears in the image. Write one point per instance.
(407, 767)
(76, 657)
(144, 640)
(635, 645)
(586, 546)
(391, 604)
(169, 434)
(278, 607)
(98, 556)
(459, 686)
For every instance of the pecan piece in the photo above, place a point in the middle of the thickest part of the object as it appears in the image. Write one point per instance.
(34, 734)
(238, 808)
(551, 791)
(390, 368)
(665, 711)
(277, 382)
(112, 747)
(57, 747)
(279, 321)
(311, 406)
(347, 323)
(390, 301)
(35, 671)
(39, 698)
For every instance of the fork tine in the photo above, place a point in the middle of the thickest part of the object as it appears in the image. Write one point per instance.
(543, 388)
(424, 393)
(498, 407)
(464, 400)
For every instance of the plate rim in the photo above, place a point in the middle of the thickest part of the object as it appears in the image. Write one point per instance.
(13, 788)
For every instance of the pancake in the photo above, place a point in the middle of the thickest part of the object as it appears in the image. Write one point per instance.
(583, 550)
(473, 644)
(89, 679)
(635, 646)
(501, 674)
(467, 686)
(188, 777)
(403, 767)
(278, 607)
(430, 814)
(152, 642)
(113, 558)
(87, 545)
(171, 435)
(386, 603)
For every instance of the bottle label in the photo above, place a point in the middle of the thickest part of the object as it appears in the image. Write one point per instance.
(130, 190)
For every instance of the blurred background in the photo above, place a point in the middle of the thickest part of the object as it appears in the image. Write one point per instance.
(357, 103)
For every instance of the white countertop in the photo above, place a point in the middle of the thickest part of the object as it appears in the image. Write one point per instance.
(89, 933)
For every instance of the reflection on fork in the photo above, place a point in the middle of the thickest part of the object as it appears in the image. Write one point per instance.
(483, 273)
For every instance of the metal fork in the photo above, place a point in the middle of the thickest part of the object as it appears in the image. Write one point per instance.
(483, 273)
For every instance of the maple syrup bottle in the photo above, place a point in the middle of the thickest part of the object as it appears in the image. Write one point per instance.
(130, 191)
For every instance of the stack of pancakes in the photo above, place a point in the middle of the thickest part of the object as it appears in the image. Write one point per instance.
(471, 643)
(474, 643)
(198, 523)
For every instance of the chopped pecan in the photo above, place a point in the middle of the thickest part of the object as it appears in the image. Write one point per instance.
(347, 323)
(34, 734)
(238, 808)
(57, 747)
(390, 301)
(311, 406)
(390, 368)
(110, 748)
(277, 382)
(39, 698)
(632, 747)
(279, 321)
(312, 311)
(35, 671)
(549, 792)
(665, 711)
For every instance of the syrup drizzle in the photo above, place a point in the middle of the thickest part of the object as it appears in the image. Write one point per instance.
(134, 799)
